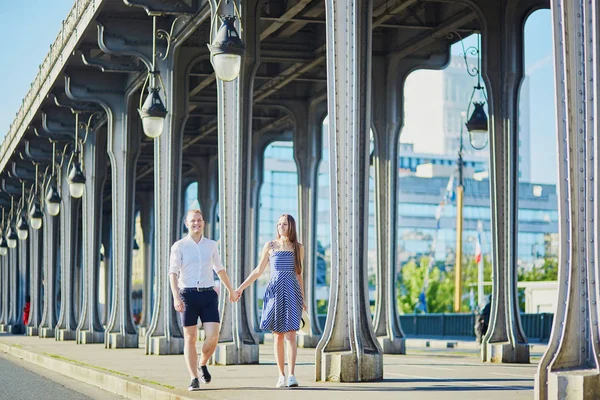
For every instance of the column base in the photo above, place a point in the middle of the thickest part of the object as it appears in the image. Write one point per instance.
(2, 328)
(392, 346)
(118, 340)
(308, 341)
(64, 334)
(15, 329)
(229, 354)
(89, 337)
(31, 331)
(573, 385)
(46, 333)
(505, 353)
(162, 345)
(343, 367)
(259, 336)
(142, 330)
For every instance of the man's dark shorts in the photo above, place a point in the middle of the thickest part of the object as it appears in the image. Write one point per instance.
(203, 304)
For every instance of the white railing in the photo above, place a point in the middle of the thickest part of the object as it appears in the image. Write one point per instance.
(56, 57)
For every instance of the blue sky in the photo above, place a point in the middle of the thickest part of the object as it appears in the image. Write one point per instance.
(25, 49)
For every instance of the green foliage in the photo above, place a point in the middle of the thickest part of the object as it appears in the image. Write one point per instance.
(439, 292)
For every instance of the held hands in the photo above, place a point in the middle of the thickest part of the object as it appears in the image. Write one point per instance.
(234, 296)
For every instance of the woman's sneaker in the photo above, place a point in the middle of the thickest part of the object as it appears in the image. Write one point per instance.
(292, 381)
(195, 385)
(280, 382)
(204, 374)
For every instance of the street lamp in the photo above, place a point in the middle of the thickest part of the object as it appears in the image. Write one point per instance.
(227, 48)
(76, 178)
(22, 226)
(11, 236)
(477, 124)
(3, 243)
(36, 215)
(153, 110)
(52, 195)
(35, 210)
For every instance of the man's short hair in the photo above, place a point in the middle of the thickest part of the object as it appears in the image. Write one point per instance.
(194, 211)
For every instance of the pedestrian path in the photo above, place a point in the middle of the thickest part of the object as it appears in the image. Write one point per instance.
(423, 373)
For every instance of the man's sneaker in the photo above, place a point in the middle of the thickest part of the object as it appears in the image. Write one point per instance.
(204, 374)
(280, 382)
(292, 381)
(195, 385)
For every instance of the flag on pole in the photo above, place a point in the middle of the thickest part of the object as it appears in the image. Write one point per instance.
(478, 248)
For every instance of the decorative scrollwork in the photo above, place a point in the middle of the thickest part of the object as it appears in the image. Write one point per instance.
(162, 34)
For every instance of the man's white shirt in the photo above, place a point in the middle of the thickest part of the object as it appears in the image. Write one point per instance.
(194, 263)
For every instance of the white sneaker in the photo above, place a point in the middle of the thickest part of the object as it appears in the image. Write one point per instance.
(280, 382)
(292, 382)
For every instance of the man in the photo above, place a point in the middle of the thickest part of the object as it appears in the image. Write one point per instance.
(193, 260)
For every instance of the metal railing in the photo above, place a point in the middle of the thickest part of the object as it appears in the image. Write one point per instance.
(536, 326)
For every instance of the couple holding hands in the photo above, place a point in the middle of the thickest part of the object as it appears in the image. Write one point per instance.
(192, 262)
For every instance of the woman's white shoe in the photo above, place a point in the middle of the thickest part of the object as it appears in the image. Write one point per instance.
(292, 382)
(280, 382)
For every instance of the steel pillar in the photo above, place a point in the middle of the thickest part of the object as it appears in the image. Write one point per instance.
(307, 154)
(89, 328)
(113, 93)
(66, 325)
(15, 313)
(236, 344)
(4, 294)
(348, 350)
(569, 368)
(35, 277)
(502, 60)
(50, 240)
(147, 222)
(387, 108)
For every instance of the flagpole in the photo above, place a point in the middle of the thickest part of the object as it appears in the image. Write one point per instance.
(459, 227)
(480, 295)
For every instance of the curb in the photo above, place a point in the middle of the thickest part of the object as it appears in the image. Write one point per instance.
(111, 381)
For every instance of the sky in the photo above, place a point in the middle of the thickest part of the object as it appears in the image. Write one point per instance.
(25, 49)
(27, 29)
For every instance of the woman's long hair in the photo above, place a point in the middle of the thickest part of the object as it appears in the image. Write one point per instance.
(293, 238)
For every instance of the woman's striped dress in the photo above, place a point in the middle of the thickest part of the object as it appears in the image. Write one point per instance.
(282, 306)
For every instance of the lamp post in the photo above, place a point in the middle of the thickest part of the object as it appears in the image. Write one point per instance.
(459, 223)
(227, 48)
(35, 210)
(76, 177)
(3, 243)
(477, 124)
(153, 110)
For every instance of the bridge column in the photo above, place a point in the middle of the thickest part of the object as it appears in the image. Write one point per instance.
(89, 329)
(387, 108)
(307, 154)
(50, 236)
(257, 161)
(15, 313)
(66, 325)
(502, 57)
(569, 367)
(3, 291)
(113, 93)
(237, 345)
(35, 268)
(147, 223)
(348, 350)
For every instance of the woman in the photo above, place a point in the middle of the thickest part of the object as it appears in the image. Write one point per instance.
(284, 295)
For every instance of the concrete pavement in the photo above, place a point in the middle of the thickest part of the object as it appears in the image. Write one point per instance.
(432, 372)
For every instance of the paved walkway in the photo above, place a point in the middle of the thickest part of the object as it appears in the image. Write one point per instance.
(434, 372)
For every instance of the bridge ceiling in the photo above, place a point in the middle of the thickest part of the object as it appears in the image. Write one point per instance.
(292, 54)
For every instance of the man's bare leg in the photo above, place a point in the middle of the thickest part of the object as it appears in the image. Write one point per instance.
(190, 336)
(211, 330)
